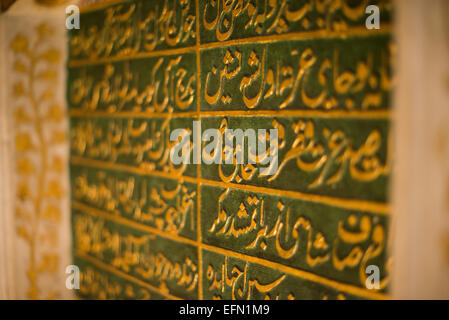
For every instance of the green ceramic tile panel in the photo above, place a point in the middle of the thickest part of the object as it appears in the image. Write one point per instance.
(337, 176)
(155, 88)
(231, 20)
(136, 143)
(162, 263)
(264, 226)
(96, 283)
(312, 74)
(160, 203)
(233, 278)
(146, 228)
(149, 25)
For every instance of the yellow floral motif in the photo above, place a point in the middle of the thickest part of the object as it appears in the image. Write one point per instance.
(23, 142)
(18, 89)
(20, 44)
(23, 192)
(49, 262)
(52, 213)
(21, 116)
(55, 113)
(54, 190)
(19, 66)
(57, 165)
(43, 31)
(51, 56)
(58, 137)
(25, 167)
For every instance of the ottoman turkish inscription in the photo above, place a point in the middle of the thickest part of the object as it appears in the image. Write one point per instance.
(146, 228)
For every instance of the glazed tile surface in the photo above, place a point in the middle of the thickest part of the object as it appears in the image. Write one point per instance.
(146, 228)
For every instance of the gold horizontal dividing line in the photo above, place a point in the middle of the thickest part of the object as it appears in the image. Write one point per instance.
(357, 114)
(302, 35)
(133, 224)
(84, 62)
(121, 167)
(301, 274)
(123, 275)
(350, 204)
(270, 264)
(100, 5)
(129, 114)
(305, 35)
(299, 113)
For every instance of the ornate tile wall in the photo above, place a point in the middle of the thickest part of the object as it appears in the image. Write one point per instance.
(144, 227)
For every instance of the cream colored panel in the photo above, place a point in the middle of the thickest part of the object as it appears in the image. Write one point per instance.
(421, 184)
(35, 248)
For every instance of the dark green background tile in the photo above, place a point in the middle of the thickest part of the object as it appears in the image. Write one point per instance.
(250, 18)
(158, 261)
(95, 283)
(352, 69)
(291, 177)
(150, 51)
(158, 84)
(245, 280)
(300, 220)
(160, 203)
(148, 25)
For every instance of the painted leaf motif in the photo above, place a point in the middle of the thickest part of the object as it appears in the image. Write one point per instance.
(51, 56)
(25, 166)
(19, 44)
(19, 66)
(23, 142)
(43, 30)
(54, 190)
(50, 262)
(47, 75)
(52, 213)
(21, 213)
(55, 113)
(21, 116)
(18, 89)
(58, 137)
(23, 192)
(57, 165)
(47, 95)
(23, 232)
